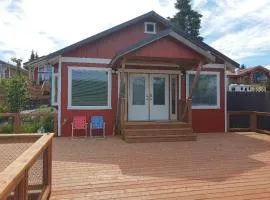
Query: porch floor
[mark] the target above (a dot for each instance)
(217, 166)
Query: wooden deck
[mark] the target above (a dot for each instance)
(216, 166)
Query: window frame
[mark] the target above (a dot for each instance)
(54, 92)
(150, 32)
(70, 107)
(217, 106)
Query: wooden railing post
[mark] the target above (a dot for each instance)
(47, 167)
(189, 105)
(55, 123)
(253, 121)
(21, 191)
(17, 122)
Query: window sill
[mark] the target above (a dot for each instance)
(206, 107)
(89, 107)
(55, 104)
(150, 32)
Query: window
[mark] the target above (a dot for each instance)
(150, 27)
(89, 88)
(55, 85)
(44, 73)
(2, 72)
(207, 93)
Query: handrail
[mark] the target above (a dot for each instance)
(15, 176)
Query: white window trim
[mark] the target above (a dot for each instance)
(53, 89)
(70, 107)
(218, 89)
(150, 23)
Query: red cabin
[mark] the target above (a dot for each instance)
(146, 77)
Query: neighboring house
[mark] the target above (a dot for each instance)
(252, 78)
(8, 70)
(149, 64)
(39, 74)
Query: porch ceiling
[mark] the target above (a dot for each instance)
(159, 63)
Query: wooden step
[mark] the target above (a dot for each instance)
(160, 138)
(156, 125)
(155, 132)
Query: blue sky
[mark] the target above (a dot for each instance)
(239, 29)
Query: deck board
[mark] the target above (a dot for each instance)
(217, 166)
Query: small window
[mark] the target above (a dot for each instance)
(150, 27)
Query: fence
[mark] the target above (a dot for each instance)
(27, 122)
(249, 121)
(248, 101)
(29, 176)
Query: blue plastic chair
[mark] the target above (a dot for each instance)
(97, 122)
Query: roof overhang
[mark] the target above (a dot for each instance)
(44, 60)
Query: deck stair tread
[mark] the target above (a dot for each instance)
(160, 131)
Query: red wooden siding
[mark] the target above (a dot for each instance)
(167, 48)
(211, 120)
(203, 120)
(67, 115)
(107, 47)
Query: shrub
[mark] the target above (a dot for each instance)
(16, 92)
(7, 128)
(30, 127)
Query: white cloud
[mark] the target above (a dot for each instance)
(241, 27)
(268, 67)
(48, 25)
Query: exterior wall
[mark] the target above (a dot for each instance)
(167, 48)
(203, 120)
(67, 115)
(211, 120)
(107, 47)
(103, 48)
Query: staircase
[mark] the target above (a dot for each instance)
(158, 132)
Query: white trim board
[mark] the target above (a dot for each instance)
(214, 66)
(150, 23)
(218, 89)
(149, 71)
(70, 107)
(59, 95)
(86, 60)
(225, 100)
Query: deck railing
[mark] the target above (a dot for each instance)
(248, 121)
(30, 175)
(17, 119)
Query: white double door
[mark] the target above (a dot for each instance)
(148, 97)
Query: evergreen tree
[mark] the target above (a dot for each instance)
(32, 56)
(243, 66)
(36, 55)
(187, 18)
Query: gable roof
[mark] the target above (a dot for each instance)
(162, 34)
(12, 66)
(247, 70)
(154, 16)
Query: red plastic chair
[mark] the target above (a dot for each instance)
(79, 123)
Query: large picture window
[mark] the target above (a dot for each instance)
(89, 88)
(207, 92)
